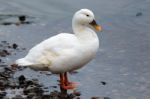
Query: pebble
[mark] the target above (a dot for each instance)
(78, 98)
(139, 14)
(103, 83)
(15, 46)
(18, 97)
(4, 53)
(31, 95)
(21, 80)
(53, 86)
(77, 93)
(106, 98)
(2, 94)
(95, 97)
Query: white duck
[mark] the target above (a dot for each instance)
(66, 52)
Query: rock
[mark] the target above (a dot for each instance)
(71, 96)
(4, 41)
(21, 80)
(14, 66)
(4, 53)
(22, 18)
(3, 82)
(2, 69)
(12, 84)
(15, 46)
(73, 72)
(8, 70)
(54, 95)
(4, 74)
(45, 96)
(18, 97)
(29, 89)
(29, 82)
(2, 93)
(103, 83)
(33, 89)
(139, 14)
(78, 98)
(95, 97)
(77, 93)
(132, 97)
(106, 98)
(31, 95)
(54, 86)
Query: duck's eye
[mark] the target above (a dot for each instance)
(87, 15)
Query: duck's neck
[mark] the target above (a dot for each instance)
(83, 32)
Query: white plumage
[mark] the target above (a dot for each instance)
(66, 52)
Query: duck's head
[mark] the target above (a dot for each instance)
(86, 17)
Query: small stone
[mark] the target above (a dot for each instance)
(106, 98)
(73, 72)
(46, 96)
(14, 66)
(54, 86)
(22, 18)
(14, 45)
(2, 93)
(12, 84)
(23, 48)
(95, 97)
(2, 53)
(45, 88)
(5, 52)
(33, 88)
(18, 97)
(8, 69)
(77, 93)
(9, 46)
(31, 95)
(2, 69)
(54, 94)
(132, 97)
(4, 75)
(4, 41)
(35, 81)
(71, 96)
(78, 98)
(21, 80)
(139, 14)
(103, 83)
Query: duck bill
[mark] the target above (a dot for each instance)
(96, 26)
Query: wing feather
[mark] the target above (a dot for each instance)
(49, 50)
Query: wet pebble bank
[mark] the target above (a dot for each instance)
(22, 87)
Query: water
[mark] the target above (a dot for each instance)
(123, 58)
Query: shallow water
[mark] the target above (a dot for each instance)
(122, 60)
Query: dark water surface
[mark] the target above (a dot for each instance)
(123, 60)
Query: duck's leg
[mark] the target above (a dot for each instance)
(64, 91)
(68, 83)
(66, 79)
(61, 79)
(64, 82)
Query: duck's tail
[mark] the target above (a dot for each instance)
(23, 62)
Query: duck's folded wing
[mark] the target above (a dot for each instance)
(52, 49)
